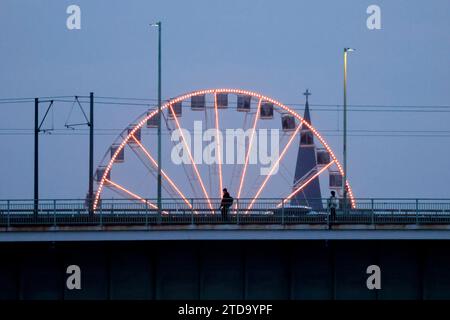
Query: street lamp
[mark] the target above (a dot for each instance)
(344, 185)
(158, 25)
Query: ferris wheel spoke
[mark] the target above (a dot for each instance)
(202, 185)
(250, 145)
(194, 191)
(139, 154)
(305, 184)
(238, 145)
(269, 175)
(218, 146)
(129, 193)
(155, 164)
(206, 114)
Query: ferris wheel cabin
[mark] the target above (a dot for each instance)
(323, 157)
(306, 138)
(243, 103)
(153, 121)
(335, 180)
(222, 100)
(100, 172)
(198, 102)
(176, 110)
(136, 135)
(287, 122)
(120, 156)
(266, 110)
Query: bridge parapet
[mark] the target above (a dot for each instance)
(176, 212)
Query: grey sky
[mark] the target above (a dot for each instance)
(278, 48)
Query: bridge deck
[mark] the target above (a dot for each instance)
(225, 232)
(67, 220)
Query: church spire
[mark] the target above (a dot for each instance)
(306, 115)
(306, 94)
(306, 166)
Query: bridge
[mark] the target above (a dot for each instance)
(128, 219)
(129, 250)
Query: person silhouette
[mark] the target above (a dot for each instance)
(225, 204)
(332, 205)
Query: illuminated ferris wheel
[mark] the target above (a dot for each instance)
(214, 139)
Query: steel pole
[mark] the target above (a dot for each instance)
(159, 116)
(344, 182)
(91, 152)
(36, 155)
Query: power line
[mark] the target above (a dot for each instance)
(302, 104)
(353, 108)
(32, 98)
(323, 130)
(327, 133)
(211, 103)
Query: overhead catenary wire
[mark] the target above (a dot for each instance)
(122, 101)
(134, 101)
(322, 108)
(32, 99)
(302, 104)
(149, 131)
(376, 134)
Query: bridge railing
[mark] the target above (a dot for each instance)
(60, 212)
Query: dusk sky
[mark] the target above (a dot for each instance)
(398, 140)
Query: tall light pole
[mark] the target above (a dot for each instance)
(36, 156)
(158, 25)
(91, 153)
(344, 182)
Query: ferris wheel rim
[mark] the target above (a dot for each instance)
(144, 118)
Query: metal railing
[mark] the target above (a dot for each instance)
(67, 212)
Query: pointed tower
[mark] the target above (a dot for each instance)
(307, 166)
